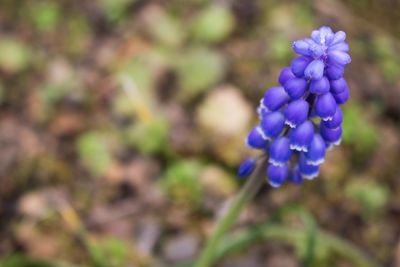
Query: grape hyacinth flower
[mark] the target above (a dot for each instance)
(301, 118)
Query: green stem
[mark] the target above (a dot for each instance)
(248, 191)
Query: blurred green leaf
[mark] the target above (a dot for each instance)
(164, 28)
(213, 24)
(279, 49)
(114, 9)
(371, 195)
(14, 55)
(150, 136)
(358, 130)
(110, 252)
(387, 57)
(20, 260)
(199, 69)
(94, 153)
(46, 15)
(77, 34)
(181, 183)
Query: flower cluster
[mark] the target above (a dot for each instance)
(301, 118)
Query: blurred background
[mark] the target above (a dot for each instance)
(122, 125)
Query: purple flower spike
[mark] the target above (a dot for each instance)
(299, 64)
(331, 136)
(272, 124)
(342, 97)
(307, 171)
(312, 87)
(320, 86)
(277, 175)
(296, 113)
(338, 86)
(275, 98)
(295, 87)
(316, 151)
(257, 139)
(314, 70)
(285, 75)
(279, 151)
(301, 136)
(336, 121)
(247, 167)
(325, 106)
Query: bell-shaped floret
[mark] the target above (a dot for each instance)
(338, 57)
(338, 86)
(320, 86)
(331, 136)
(272, 124)
(257, 139)
(295, 87)
(336, 120)
(279, 151)
(334, 72)
(246, 167)
(314, 70)
(298, 65)
(301, 136)
(296, 112)
(316, 151)
(307, 171)
(275, 98)
(277, 175)
(285, 75)
(342, 97)
(301, 47)
(325, 106)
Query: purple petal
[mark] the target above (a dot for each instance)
(334, 72)
(285, 75)
(301, 136)
(256, 139)
(307, 171)
(275, 98)
(342, 97)
(272, 124)
(246, 167)
(331, 136)
(320, 86)
(316, 151)
(339, 57)
(301, 47)
(338, 86)
(314, 70)
(277, 175)
(336, 121)
(296, 112)
(325, 106)
(339, 37)
(279, 151)
(299, 64)
(295, 87)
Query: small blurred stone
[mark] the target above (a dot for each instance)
(224, 118)
(38, 204)
(181, 248)
(217, 181)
